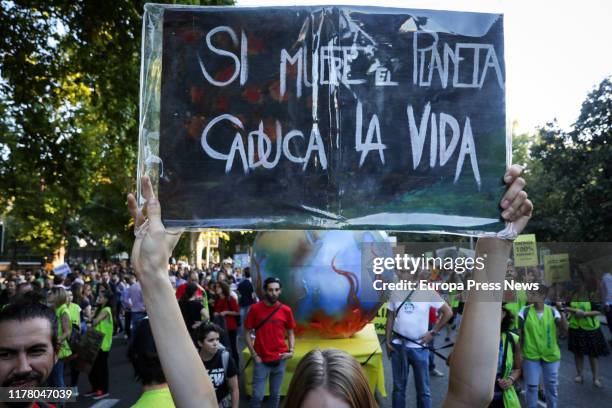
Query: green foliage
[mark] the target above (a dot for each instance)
(69, 90)
(69, 85)
(520, 148)
(570, 175)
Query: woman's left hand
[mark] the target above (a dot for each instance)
(517, 208)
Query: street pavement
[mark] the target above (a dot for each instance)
(125, 389)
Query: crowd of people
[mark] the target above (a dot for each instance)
(203, 312)
(108, 299)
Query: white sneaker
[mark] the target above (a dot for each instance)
(436, 373)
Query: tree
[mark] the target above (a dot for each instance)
(69, 119)
(521, 144)
(570, 180)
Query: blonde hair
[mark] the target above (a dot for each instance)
(336, 371)
(60, 296)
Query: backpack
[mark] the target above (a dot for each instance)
(225, 359)
(227, 401)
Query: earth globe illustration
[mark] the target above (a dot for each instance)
(327, 277)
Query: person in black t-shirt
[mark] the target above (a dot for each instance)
(194, 313)
(220, 365)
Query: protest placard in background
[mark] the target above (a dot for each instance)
(556, 268)
(242, 260)
(380, 320)
(525, 250)
(325, 117)
(542, 252)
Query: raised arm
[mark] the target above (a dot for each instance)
(473, 364)
(185, 373)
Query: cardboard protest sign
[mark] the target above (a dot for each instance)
(325, 117)
(242, 260)
(88, 349)
(556, 268)
(525, 250)
(380, 320)
(542, 253)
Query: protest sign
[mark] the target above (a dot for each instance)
(556, 268)
(448, 252)
(525, 250)
(242, 260)
(380, 320)
(88, 349)
(324, 117)
(542, 253)
(61, 270)
(466, 253)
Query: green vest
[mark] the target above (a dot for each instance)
(521, 298)
(584, 323)
(106, 327)
(205, 299)
(515, 307)
(511, 399)
(75, 314)
(453, 299)
(65, 347)
(540, 336)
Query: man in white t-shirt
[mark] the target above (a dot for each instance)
(408, 336)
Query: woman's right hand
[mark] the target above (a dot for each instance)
(153, 245)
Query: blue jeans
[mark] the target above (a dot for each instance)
(401, 360)
(56, 378)
(260, 373)
(531, 375)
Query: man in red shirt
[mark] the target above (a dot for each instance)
(268, 320)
